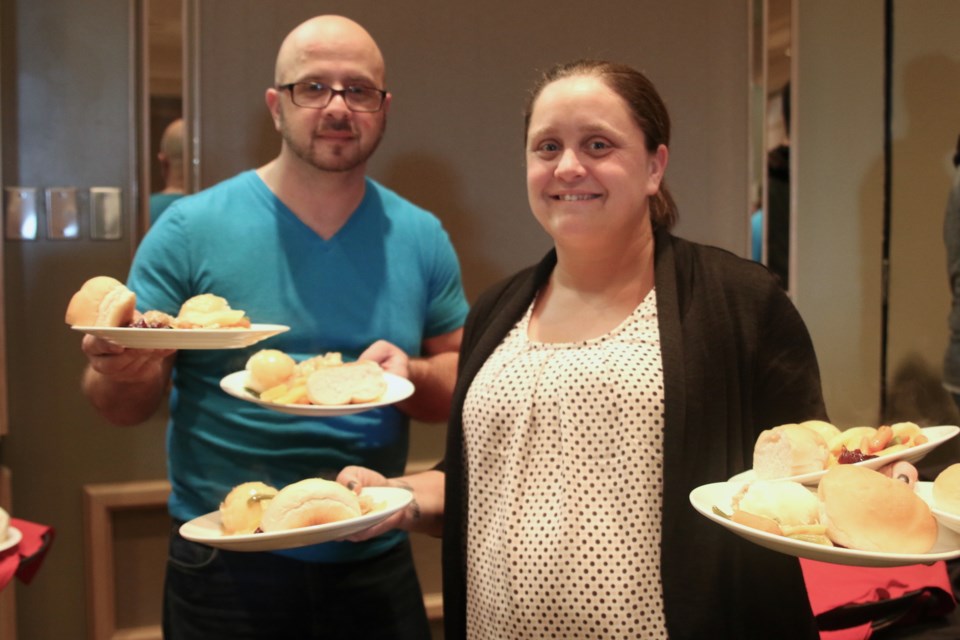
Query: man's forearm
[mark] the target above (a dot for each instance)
(433, 378)
(123, 404)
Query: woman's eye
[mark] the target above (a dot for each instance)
(598, 145)
(548, 147)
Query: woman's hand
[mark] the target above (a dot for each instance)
(423, 514)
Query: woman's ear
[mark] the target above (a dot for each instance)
(656, 168)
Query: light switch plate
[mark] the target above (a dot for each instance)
(20, 213)
(106, 213)
(63, 214)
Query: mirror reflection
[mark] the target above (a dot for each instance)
(165, 157)
(770, 171)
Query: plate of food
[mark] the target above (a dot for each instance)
(199, 338)
(777, 457)
(13, 539)
(320, 386)
(275, 523)
(106, 308)
(922, 541)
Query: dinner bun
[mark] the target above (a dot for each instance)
(789, 450)
(242, 509)
(101, 301)
(267, 368)
(310, 502)
(4, 524)
(790, 504)
(826, 430)
(209, 312)
(946, 490)
(350, 383)
(863, 509)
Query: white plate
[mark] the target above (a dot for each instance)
(136, 338)
(13, 538)
(947, 519)
(397, 389)
(206, 529)
(720, 494)
(935, 437)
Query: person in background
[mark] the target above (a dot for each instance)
(306, 240)
(777, 234)
(170, 157)
(598, 388)
(951, 239)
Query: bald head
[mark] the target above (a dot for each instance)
(171, 143)
(329, 39)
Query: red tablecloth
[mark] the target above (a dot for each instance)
(831, 585)
(24, 559)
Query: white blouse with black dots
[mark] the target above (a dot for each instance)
(563, 444)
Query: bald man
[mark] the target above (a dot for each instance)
(309, 241)
(170, 157)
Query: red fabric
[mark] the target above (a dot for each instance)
(832, 585)
(24, 559)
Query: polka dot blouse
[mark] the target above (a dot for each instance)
(563, 444)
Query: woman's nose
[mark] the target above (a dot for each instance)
(569, 167)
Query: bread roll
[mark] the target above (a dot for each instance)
(208, 311)
(790, 504)
(946, 490)
(4, 524)
(242, 509)
(310, 502)
(101, 301)
(267, 368)
(826, 430)
(863, 509)
(351, 383)
(789, 450)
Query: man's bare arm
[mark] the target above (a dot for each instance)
(126, 386)
(433, 375)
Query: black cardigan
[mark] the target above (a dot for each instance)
(737, 359)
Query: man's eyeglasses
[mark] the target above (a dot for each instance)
(315, 95)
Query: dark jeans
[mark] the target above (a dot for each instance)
(212, 593)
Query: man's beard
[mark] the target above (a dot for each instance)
(336, 156)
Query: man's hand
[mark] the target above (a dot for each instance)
(390, 357)
(121, 365)
(125, 385)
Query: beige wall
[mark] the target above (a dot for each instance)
(838, 144)
(839, 149)
(926, 123)
(459, 77)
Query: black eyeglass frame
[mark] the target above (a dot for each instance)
(343, 93)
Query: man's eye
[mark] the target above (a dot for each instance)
(548, 147)
(356, 90)
(598, 145)
(314, 87)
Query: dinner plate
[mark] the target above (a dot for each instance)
(397, 389)
(720, 494)
(138, 338)
(206, 529)
(935, 437)
(13, 539)
(945, 518)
